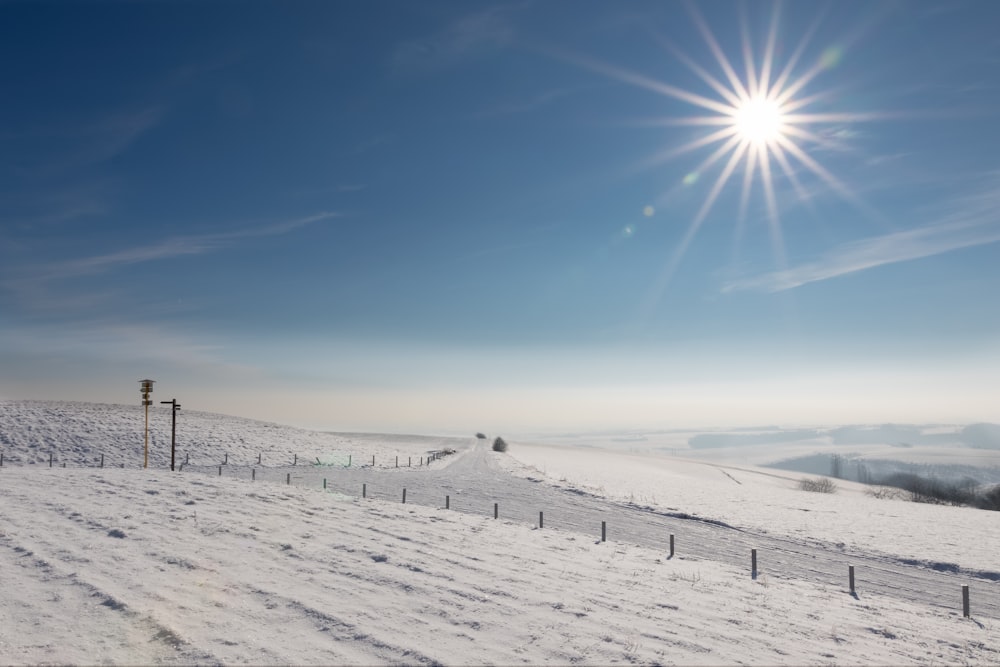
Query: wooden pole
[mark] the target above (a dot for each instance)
(1, 459)
(541, 520)
(447, 502)
(671, 545)
(253, 474)
(102, 460)
(965, 601)
(604, 531)
(496, 510)
(288, 478)
(220, 471)
(404, 496)
(373, 460)
(259, 454)
(850, 577)
(409, 462)
(295, 459)
(753, 563)
(50, 459)
(324, 482)
(226, 460)
(364, 490)
(397, 460)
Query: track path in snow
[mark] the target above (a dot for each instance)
(474, 480)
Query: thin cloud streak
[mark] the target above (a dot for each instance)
(974, 223)
(173, 247)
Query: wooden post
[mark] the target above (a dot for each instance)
(421, 460)
(50, 459)
(288, 478)
(102, 460)
(1, 459)
(253, 474)
(671, 545)
(187, 458)
(541, 520)
(604, 531)
(965, 601)
(409, 462)
(404, 496)
(348, 460)
(364, 490)
(220, 471)
(447, 502)
(850, 577)
(259, 454)
(324, 482)
(753, 563)
(64, 464)
(496, 510)
(295, 459)
(373, 460)
(397, 460)
(226, 460)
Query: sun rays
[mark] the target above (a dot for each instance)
(761, 128)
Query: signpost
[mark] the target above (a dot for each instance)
(146, 388)
(173, 428)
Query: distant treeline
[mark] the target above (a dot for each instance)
(979, 436)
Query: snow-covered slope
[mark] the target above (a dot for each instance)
(79, 433)
(281, 565)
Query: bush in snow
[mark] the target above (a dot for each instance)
(821, 485)
(499, 445)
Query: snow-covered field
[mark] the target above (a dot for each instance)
(134, 566)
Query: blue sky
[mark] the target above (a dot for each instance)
(443, 216)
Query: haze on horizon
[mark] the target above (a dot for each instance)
(444, 217)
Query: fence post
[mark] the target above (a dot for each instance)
(187, 458)
(259, 454)
(295, 459)
(364, 490)
(421, 460)
(604, 531)
(1, 459)
(373, 460)
(850, 577)
(541, 521)
(64, 464)
(226, 460)
(102, 460)
(50, 459)
(397, 460)
(253, 474)
(447, 502)
(671, 545)
(404, 496)
(409, 462)
(965, 601)
(220, 471)
(348, 460)
(324, 482)
(496, 510)
(288, 478)
(753, 563)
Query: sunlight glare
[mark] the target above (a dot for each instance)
(759, 121)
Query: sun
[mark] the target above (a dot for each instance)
(759, 126)
(760, 122)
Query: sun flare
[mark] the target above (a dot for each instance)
(758, 127)
(759, 121)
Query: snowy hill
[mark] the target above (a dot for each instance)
(278, 564)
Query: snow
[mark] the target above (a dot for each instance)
(127, 566)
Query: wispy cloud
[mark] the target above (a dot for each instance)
(974, 221)
(178, 246)
(469, 36)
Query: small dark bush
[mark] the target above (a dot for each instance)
(821, 485)
(481, 436)
(499, 445)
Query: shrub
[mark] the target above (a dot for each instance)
(481, 436)
(499, 445)
(821, 485)
(884, 492)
